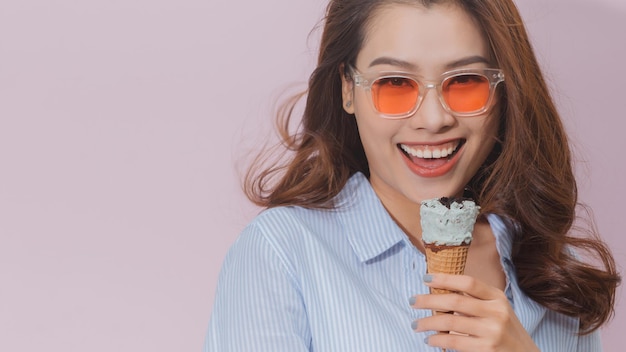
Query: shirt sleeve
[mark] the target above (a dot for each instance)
(590, 342)
(258, 304)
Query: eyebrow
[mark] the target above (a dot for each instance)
(467, 61)
(385, 60)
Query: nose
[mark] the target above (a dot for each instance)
(431, 115)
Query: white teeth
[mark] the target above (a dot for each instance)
(430, 152)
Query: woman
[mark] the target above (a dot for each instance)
(414, 100)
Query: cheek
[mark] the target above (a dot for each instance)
(375, 130)
(493, 126)
(365, 122)
(489, 135)
(368, 135)
(488, 127)
(376, 136)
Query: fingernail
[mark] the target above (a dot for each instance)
(414, 325)
(427, 278)
(412, 300)
(426, 340)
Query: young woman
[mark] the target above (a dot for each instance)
(414, 100)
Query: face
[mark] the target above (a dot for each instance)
(431, 153)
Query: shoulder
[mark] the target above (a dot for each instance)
(289, 234)
(285, 217)
(302, 237)
(289, 223)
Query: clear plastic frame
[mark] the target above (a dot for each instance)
(464, 92)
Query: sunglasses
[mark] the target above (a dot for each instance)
(464, 92)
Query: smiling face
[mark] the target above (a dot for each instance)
(431, 153)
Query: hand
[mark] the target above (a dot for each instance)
(485, 321)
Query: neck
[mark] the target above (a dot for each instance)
(404, 212)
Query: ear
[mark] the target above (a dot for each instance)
(347, 90)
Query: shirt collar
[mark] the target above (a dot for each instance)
(369, 227)
(503, 231)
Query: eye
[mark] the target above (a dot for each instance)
(395, 82)
(467, 79)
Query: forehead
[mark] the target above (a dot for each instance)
(428, 38)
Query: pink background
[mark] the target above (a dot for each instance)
(123, 127)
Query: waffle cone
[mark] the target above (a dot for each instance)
(445, 259)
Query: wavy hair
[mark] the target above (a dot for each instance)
(528, 177)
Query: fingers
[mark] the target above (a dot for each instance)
(463, 283)
(457, 342)
(481, 309)
(450, 322)
(486, 338)
(460, 303)
(484, 319)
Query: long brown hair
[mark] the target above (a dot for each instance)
(528, 178)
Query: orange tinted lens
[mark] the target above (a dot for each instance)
(394, 95)
(466, 93)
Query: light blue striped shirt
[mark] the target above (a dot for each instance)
(339, 280)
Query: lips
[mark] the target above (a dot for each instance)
(432, 160)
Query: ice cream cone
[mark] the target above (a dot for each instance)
(447, 227)
(445, 259)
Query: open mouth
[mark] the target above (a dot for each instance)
(426, 153)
